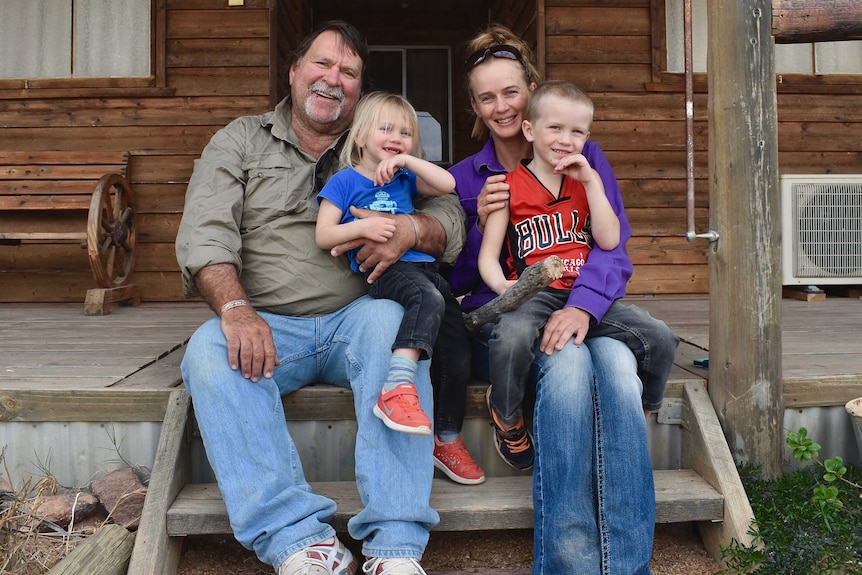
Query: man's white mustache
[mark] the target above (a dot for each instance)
(327, 90)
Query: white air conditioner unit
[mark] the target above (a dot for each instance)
(821, 218)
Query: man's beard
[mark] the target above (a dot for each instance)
(324, 88)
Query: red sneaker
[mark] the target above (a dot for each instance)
(400, 410)
(454, 460)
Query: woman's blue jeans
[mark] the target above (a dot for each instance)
(593, 492)
(270, 504)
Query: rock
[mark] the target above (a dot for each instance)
(89, 525)
(58, 509)
(122, 495)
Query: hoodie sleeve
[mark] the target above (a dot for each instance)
(603, 278)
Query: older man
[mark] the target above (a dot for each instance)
(291, 314)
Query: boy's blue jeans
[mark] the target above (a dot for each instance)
(270, 504)
(514, 334)
(650, 339)
(593, 492)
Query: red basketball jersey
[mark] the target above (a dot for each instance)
(541, 225)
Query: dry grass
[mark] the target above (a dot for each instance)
(29, 545)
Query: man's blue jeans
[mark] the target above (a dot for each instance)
(270, 504)
(593, 492)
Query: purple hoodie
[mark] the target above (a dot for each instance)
(603, 278)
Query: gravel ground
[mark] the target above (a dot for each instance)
(678, 550)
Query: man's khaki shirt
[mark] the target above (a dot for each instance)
(252, 202)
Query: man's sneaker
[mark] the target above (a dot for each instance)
(328, 557)
(513, 442)
(400, 410)
(454, 460)
(382, 566)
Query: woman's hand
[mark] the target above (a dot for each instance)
(494, 195)
(563, 325)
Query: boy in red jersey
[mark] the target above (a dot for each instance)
(557, 206)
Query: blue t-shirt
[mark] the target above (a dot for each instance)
(350, 188)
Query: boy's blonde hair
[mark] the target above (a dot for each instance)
(560, 88)
(366, 118)
(494, 35)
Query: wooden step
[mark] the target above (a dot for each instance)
(499, 503)
(710, 493)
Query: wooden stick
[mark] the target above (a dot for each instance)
(534, 278)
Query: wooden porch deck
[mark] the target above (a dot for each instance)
(60, 366)
(133, 356)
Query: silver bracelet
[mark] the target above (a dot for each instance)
(232, 304)
(415, 229)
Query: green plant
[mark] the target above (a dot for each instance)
(807, 522)
(825, 496)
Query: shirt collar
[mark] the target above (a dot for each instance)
(485, 160)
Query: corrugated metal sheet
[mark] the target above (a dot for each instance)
(76, 453)
(831, 427)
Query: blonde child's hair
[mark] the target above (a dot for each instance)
(491, 36)
(560, 88)
(370, 109)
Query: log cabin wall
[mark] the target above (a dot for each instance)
(606, 48)
(217, 67)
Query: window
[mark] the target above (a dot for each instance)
(75, 38)
(421, 75)
(813, 59)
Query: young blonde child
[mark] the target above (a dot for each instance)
(383, 175)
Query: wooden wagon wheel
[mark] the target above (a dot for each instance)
(111, 232)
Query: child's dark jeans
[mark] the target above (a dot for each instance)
(434, 324)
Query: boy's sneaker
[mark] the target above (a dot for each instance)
(328, 557)
(400, 410)
(513, 442)
(383, 566)
(454, 460)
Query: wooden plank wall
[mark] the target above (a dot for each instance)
(607, 50)
(218, 67)
(612, 49)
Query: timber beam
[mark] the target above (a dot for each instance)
(798, 21)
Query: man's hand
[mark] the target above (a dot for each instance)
(378, 256)
(494, 195)
(562, 325)
(250, 345)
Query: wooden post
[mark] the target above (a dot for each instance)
(744, 264)
(156, 553)
(809, 21)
